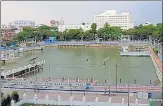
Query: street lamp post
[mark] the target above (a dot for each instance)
(104, 64)
(128, 93)
(84, 92)
(116, 66)
(71, 89)
(105, 85)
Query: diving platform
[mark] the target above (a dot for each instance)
(135, 54)
(23, 71)
(135, 51)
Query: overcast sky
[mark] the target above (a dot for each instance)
(76, 12)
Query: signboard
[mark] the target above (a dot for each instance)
(131, 94)
(143, 95)
(140, 94)
(149, 95)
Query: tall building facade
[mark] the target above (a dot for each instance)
(23, 23)
(114, 19)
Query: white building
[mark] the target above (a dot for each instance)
(113, 19)
(39, 25)
(147, 23)
(85, 27)
(23, 23)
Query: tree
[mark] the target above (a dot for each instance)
(93, 29)
(65, 34)
(15, 96)
(8, 100)
(87, 35)
(44, 27)
(3, 101)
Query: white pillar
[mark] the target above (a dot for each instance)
(24, 96)
(47, 99)
(88, 80)
(78, 79)
(154, 43)
(136, 102)
(123, 101)
(12, 103)
(71, 101)
(83, 101)
(96, 101)
(35, 98)
(59, 99)
(109, 101)
(68, 80)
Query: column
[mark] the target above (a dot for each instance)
(68, 80)
(83, 101)
(96, 101)
(78, 79)
(71, 101)
(35, 97)
(109, 101)
(59, 99)
(47, 99)
(136, 102)
(12, 103)
(24, 96)
(123, 102)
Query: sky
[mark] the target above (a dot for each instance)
(76, 12)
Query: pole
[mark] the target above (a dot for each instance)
(116, 76)
(71, 89)
(84, 92)
(128, 93)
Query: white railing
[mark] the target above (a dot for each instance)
(158, 71)
(135, 53)
(70, 102)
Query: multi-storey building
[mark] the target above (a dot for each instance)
(7, 32)
(83, 26)
(114, 19)
(23, 23)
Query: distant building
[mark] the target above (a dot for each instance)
(7, 32)
(56, 23)
(85, 27)
(39, 25)
(23, 23)
(113, 19)
(147, 23)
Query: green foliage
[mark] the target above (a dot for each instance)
(40, 33)
(15, 96)
(5, 101)
(93, 28)
(143, 32)
(106, 32)
(155, 50)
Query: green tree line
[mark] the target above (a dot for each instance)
(144, 32)
(106, 33)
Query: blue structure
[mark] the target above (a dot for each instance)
(51, 40)
(149, 95)
(86, 86)
(13, 44)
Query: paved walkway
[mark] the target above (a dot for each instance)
(156, 58)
